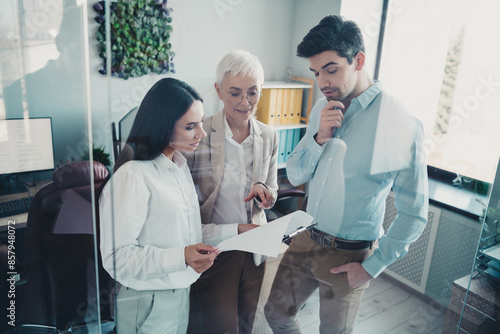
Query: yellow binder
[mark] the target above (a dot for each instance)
(267, 106)
(297, 106)
(286, 111)
(279, 107)
(292, 114)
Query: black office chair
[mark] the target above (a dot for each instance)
(288, 201)
(59, 258)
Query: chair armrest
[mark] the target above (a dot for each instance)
(291, 192)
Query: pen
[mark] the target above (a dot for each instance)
(300, 229)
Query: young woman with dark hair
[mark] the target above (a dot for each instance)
(150, 224)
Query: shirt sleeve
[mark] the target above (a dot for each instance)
(272, 175)
(123, 211)
(412, 203)
(214, 234)
(302, 162)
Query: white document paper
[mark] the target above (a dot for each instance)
(266, 239)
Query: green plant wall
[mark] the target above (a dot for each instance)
(140, 33)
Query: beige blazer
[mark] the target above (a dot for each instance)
(207, 165)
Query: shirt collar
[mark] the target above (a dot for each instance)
(163, 163)
(229, 134)
(369, 94)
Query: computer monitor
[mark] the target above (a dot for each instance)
(26, 145)
(125, 125)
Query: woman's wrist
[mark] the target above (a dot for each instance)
(263, 184)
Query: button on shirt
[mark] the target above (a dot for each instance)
(379, 146)
(149, 212)
(229, 207)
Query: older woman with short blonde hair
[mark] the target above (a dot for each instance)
(235, 173)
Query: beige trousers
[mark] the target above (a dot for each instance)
(304, 268)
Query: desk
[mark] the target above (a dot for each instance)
(20, 219)
(482, 309)
(463, 201)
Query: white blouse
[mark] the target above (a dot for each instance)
(149, 212)
(229, 207)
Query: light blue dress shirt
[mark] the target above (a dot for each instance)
(379, 147)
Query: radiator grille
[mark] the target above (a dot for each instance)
(413, 268)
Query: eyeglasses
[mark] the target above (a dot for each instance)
(253, 96)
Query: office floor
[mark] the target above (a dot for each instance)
(388, 307)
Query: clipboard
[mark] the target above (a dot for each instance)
(298, 224)
(267, 239)
(288, 237)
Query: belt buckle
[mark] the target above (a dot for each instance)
(317, 237)
(326, 240)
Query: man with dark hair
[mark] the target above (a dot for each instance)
(360, 143)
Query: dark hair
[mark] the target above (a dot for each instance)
(165, 103)
(333, 33)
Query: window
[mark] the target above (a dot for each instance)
(28, 36)
(439, 58)
(369, 21)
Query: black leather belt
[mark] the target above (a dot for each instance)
(328, 240)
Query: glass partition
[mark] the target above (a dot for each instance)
(48, 179)
(453, 94)
(56, 111)
(478, 294)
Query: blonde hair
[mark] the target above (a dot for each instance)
(242, 62)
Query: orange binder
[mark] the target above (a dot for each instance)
(286, 111)
(279, 107)
(292, 113)
(267, 106)
(297, 106)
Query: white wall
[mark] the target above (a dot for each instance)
(306, 15)
(368, 20)
(203, 31)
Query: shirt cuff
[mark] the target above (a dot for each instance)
(315, 148)
(228, 230)
(175, 260)
(258, 182)
(373, 266)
